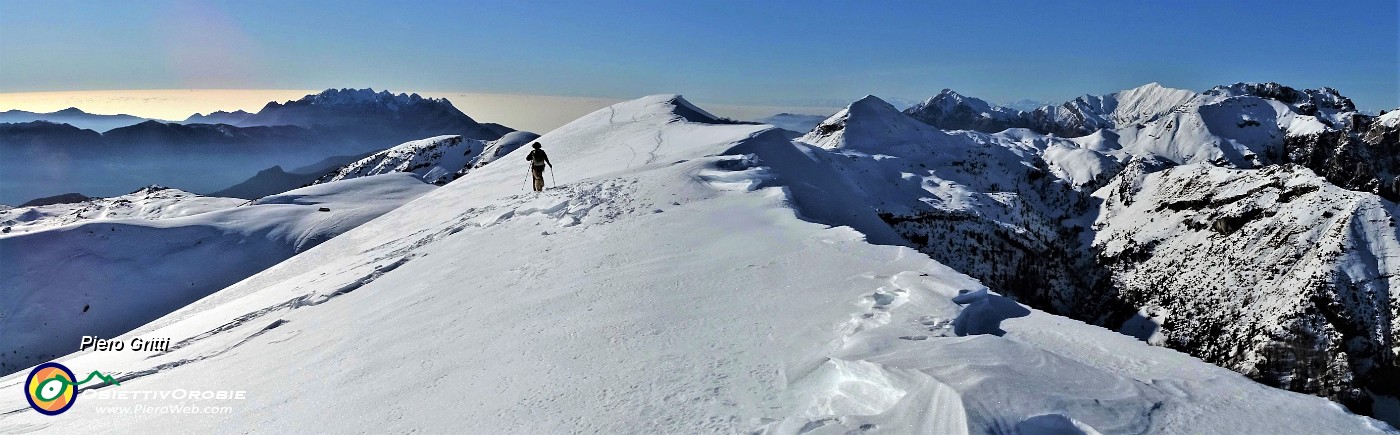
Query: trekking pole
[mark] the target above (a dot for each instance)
(551, 176)
(526, 184)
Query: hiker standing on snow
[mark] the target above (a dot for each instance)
(538, 160)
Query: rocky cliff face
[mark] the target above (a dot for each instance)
(1275, 273)
(1360, 154)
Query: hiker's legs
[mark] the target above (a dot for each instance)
(539, 178)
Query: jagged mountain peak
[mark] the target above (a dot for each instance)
(350, 96)
(149, 189)
(224, 112)
(1309, 101)
(950, 110)
(948, 99)
(369, 115)
(219, 117)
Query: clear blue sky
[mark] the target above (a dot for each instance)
(751, 52)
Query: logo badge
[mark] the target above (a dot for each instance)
(51, 388)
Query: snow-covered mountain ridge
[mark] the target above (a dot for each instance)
(1089, 113)
(1014, 209)
(1244, 125)
(436, 160)
(686, 276)
(1005, 209)
(151, 202)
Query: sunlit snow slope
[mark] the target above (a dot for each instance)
(151, 202)
(676, 281)
(104, 277)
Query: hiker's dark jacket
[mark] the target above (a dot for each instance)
(537, 157)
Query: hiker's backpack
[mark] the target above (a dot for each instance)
(536, 158)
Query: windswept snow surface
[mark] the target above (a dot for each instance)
(674, 282)
(152, 202)
(105, 277)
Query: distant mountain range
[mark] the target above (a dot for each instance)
(74, 117)
(219, 117)
(342, 117)
(1084, 115)
(211, 152)
(363, 112)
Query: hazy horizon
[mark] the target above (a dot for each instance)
(535, 113)
(526, 112)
